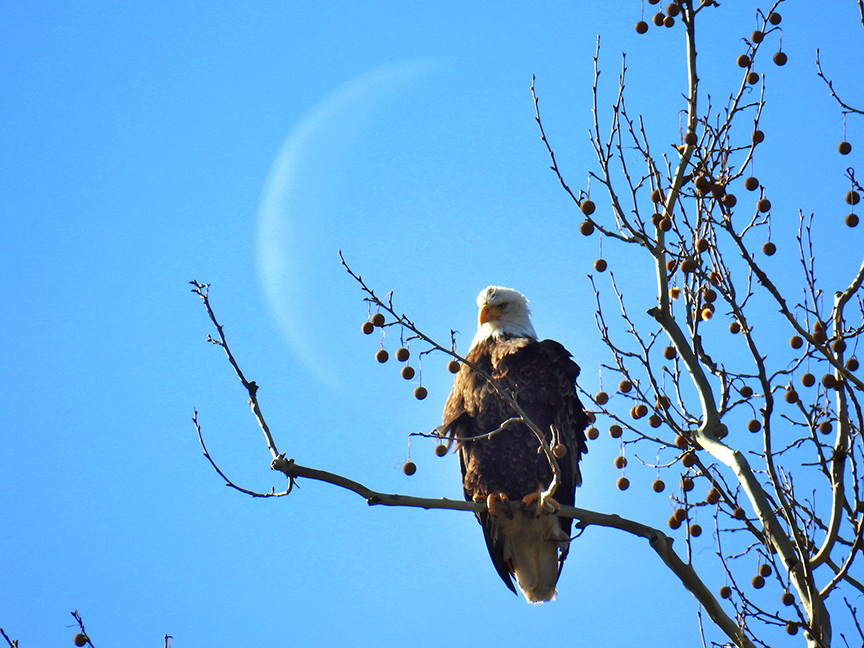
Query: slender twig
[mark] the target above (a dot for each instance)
(228, 482)
(13, 643)
(202, 290)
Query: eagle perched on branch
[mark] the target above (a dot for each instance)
(501, 457)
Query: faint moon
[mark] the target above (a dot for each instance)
(298, 221)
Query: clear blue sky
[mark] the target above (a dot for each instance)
(145, 144)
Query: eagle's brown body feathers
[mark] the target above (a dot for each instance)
(541, 375)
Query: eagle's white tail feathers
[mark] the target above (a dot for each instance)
(531, 546)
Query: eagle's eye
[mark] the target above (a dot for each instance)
(502, 307)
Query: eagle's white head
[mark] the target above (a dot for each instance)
(503, 311)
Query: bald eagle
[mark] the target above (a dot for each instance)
(508, 464)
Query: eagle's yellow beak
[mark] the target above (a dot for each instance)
(486, 314)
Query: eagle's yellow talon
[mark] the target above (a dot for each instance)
(531, 498)
(496, 501)
(551, 505)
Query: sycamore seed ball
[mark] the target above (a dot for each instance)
(668, 21)
(655, 421)
(852, 198)
(765, 570)
(377, 319)
(587, 207)
(757, 582)
(753, 425)
(774, 18)
(658, 486)
(791, 396)
(752, 78)
(367, 327)
(702, 183)
(381, 355)
(808, 380)
(586, 228)
(615, 431)
(679, 514)
(601, 398)
(825, 427)
(844, 148)
(672, 9)
(641, 27)
(787, 598)
(402, 354)
(780, 58)
(420, 393)
(625, 386)
(440, 450)
(658, 18)
(681, 443)
(769, 249)
(796, 342)
(409, 468)
(734, 327)
(763, 205)
(673, 523)
(623, 483)
(620, 462)
(691, 138)
(757, 36)
(80, 639)
(592, 433)
(600, 265)
(453, 366)
(851, 220)
(751, 184)
(407, 372)
(743, 61)
(746, 391)
(791, 628)
(852, 364)
(695, 530)
(725, 592)
(739, 513)
(560, 451)
(687, 484)
(713, 496)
